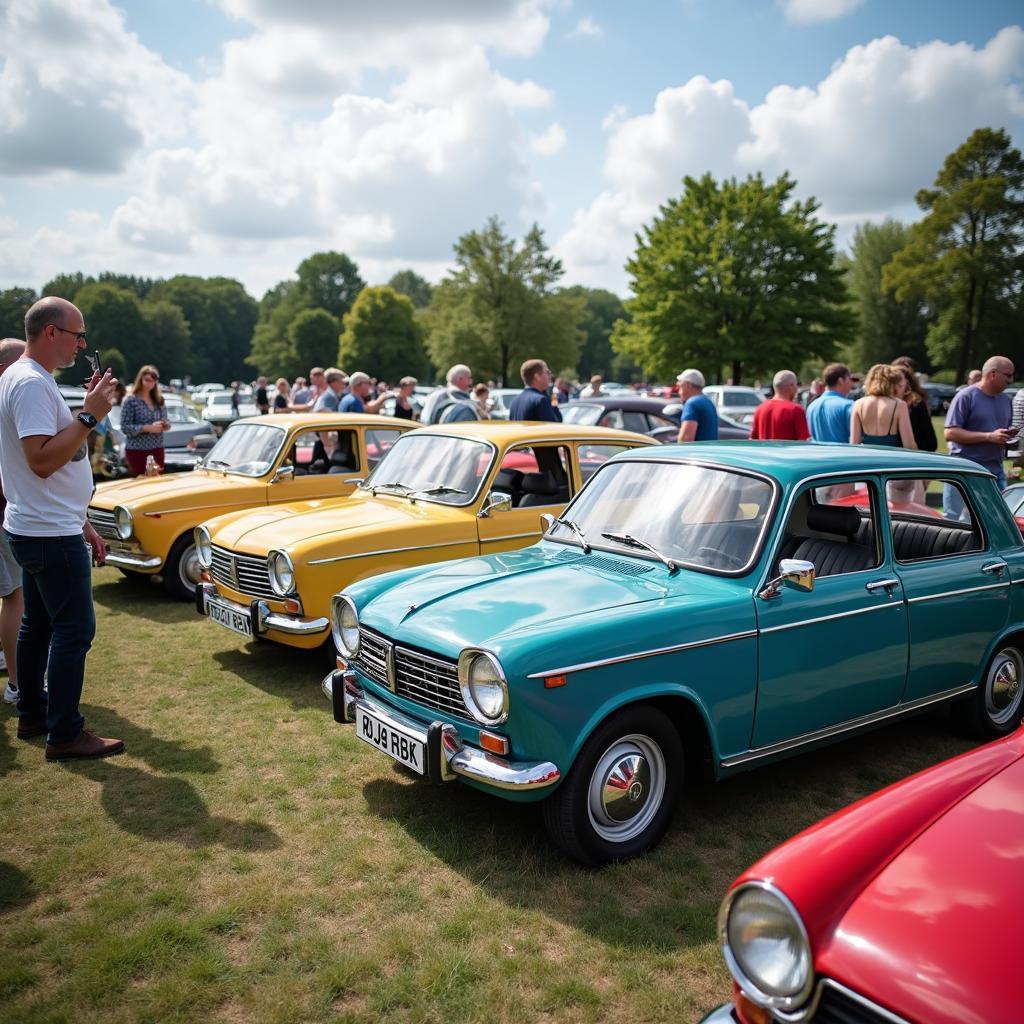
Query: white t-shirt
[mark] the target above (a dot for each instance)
(31, 405)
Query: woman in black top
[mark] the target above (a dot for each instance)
(920, 415)
(281, 396)
(404, 409)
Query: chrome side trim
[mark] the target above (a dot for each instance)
(829, 618)
(133, 561)
(584, 665)
(510, 536)
(956, 593)
(836, 730)
(395, 551)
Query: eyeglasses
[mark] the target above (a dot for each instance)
(79, 335)
(151, 376)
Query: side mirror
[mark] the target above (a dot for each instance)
(497, 501)
(547, 520)
(283, 473)
(794, 574)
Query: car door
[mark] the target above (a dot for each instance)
(332, 476)
(838, 653)
(957, 588)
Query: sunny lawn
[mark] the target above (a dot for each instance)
(249, 860)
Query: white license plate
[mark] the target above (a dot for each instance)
(394, 742)
(226, 616)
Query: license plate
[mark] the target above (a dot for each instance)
(227, 616)
(395, 743)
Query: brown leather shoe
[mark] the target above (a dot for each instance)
(85, 744)
(30, 726)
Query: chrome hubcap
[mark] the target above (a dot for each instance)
(627, 788)
(189, 569)
(1004, 690)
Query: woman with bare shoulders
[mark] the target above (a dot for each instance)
(881, 417)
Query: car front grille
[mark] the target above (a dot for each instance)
(424, 679)
(839, 1005)
(103, 522)
(245, 574)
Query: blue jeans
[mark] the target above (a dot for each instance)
(953, 506)
(57, 628)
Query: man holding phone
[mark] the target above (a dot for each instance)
(48, 483)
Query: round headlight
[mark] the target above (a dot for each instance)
(282, 573)
(123, 522)
(483, 687)
(345, 625)
(204, 546)
(766, 946)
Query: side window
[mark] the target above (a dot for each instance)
(333, 451)
(301, 453)
(594, 456)
(655, 422)
(835, 527)
(635, 421)
(612, 418)
(535, 475)
(921, 532)
(378, 444)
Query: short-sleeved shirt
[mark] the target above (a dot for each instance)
(32, 406)
(779, 420)
(327, 402)
(351, 403)
(828, 417)
(531, 404)
(972, 409)
(701, 410)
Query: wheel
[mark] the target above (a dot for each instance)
(617, 800)
(996, 707)
(181, 571)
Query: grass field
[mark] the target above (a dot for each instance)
(248, 859)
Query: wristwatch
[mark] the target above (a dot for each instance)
(87, 419)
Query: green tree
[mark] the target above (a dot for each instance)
(329, 280)
(382, 336)
(602, 310)
(139, 286)
(113, 318)
(735, 274)
(118, 365)
(312, 340)
(888, 327)
(408, 282)
(497, 307)
(67, 286)
(965, 258)
(169, 338)
(272, 352)
(14, 304)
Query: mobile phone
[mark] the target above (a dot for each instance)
(94, 362)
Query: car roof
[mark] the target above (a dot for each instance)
(514, 431)
(636, 403)
(327, 421)
(791, 461)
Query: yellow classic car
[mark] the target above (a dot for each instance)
(441, 492)
(148, 522)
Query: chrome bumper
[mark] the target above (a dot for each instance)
(447, 755)
(143, 561)
(261, 616)
(723, 1015)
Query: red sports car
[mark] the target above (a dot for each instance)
(904, 908)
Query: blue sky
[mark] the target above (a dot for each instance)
(237, 136)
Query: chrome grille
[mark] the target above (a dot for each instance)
(840, 1005)
(246, 574)
(103, 522)
(373, 656)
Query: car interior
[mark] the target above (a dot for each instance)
(549, 485)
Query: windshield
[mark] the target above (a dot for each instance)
(246, 449)
(742, 399)
(448, 470)
(704, 518)
(179, 414)
(580, 412)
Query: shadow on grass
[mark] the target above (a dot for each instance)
(140, 597)
(281, 671)
(16, 888)
(8, 753)
(667, 899)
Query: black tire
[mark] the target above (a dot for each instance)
(181, 570)
(996, 707)
(642, 749)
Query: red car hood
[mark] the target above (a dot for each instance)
(935, 936)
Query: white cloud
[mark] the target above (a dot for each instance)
(550, 141)
(863, 141)
(806, 12)
(587, 27)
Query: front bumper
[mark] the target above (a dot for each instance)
(261, 617)
(447, 756)
(139, 562)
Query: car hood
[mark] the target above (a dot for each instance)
(191, 489)
(934, 935)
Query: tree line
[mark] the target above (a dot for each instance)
(734, 276)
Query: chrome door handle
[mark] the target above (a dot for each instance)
(994, 568)
(889, 584)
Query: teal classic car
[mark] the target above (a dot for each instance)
(696, 609)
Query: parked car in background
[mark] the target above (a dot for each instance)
(200, 392)
(737, 402)
(939, 396)
(73, 395)
(219, 412)
(501, 401)
(441, 492)
(904, 907)
(715, 606)
(185, 425)
(644, 415)
(148, 522)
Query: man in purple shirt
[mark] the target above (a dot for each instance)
(534, 402)
(978, 427)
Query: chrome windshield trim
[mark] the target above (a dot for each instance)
(957, 593)
(188, 508)
(835, 730)
(829, 618)
(394, 551)
(583, 666)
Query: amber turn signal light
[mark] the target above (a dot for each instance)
(550, 682)
(494, 743)
(748, 1011)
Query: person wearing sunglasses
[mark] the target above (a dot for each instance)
(143, 422)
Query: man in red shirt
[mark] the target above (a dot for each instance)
(781, 418)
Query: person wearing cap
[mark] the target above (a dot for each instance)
(358, 397)
(781, 418)
(331, 398)
(700, 418)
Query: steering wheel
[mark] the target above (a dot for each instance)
(715, 555)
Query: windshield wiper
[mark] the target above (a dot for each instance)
(635, 542)
(575, 527)
(217, 462)
(439, 489)
(394, 485)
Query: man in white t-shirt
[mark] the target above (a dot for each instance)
(48, 483)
